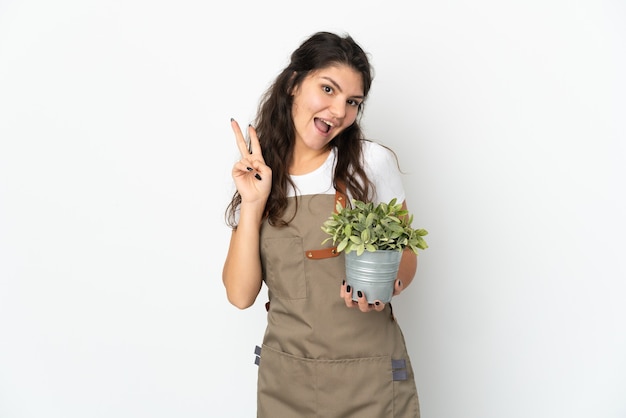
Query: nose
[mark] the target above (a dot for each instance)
(338, 108)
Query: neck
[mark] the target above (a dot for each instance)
(307, 162)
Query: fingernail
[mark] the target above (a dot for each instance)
(348, 289)
(343, 282)
(360, 294)
(399, 282)
(257, 176)
(232, 119)
(377, 303)
(249, 168)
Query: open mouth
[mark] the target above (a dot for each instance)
(323, 125)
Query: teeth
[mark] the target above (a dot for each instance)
(327, 122)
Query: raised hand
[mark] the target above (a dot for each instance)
(252, 177)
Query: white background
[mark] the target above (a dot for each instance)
(115, 158)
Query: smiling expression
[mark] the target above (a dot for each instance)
(324, 104)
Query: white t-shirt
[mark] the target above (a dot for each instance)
(381, 168)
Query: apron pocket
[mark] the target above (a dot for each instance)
(285, 386)
(290, 386)
(284, 267)
(355, 387)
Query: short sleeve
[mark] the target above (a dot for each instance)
(382, 169)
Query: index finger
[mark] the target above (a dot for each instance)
(241, 142)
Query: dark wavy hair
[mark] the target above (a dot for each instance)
(276, 130)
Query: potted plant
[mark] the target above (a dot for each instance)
(373, 237)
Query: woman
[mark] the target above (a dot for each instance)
(323, 354)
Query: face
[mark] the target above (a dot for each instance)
(326, 102)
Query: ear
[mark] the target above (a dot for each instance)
(292, 88)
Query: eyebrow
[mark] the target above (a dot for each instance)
(331, 81)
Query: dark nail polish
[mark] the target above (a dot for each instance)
(348, 288)
(400, 283)
(343, 282)
(232, 119)
(249, 168)
(257, 176)
(377, 303)
(359, 294)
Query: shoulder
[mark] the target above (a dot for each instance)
(381, 165)
(376, 155)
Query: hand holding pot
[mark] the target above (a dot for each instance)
(346, 292)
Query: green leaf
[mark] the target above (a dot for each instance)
(342, 245)
(356, 240)
(365, 235)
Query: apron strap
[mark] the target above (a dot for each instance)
(340, 196)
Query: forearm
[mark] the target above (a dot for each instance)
(242, 273)
(408, 268)
(408, 264)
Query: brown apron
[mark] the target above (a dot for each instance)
(320, 358)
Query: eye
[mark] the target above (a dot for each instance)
(327, 89)
(354, 103)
